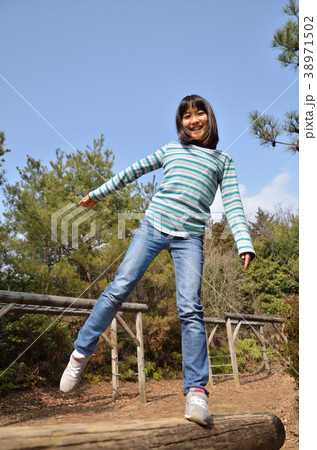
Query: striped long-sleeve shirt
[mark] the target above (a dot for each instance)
(181, 206)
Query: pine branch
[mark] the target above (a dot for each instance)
(267, 129)
(286, 39)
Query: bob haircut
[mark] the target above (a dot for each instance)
(195, 101)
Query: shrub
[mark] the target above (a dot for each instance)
(292, 332)
(44, 341)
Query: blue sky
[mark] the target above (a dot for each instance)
(121, 68)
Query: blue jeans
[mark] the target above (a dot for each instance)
(187, 256)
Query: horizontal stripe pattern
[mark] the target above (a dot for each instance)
(126, 176)
(181, 206)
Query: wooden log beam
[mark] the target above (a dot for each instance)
(47, 310)
(215, 321)
(26, 298)
(127, 329)
(6, 308)
(248, 317)
(211, 336)
(281, 333)
(262, 431)
(107, 340)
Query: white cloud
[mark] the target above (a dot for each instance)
(270, 196)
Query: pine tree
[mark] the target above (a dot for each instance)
(268, 129)
(286, 39)
(3, 150)
(43, 258)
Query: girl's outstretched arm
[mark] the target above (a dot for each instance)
(86, 202)
(234, 210)
(139, 168)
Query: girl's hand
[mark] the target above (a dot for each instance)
(86, 202)
(247, 259)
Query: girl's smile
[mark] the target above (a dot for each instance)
(195, 121)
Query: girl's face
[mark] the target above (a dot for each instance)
(195, 121)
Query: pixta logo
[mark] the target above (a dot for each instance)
(123, 218)
(66, 220)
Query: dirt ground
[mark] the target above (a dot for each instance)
(93, 402)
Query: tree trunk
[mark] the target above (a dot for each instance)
(262, 431)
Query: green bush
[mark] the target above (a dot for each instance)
(41, 345)
(151, 370)
(19, 376)
(248, 353)
(292, 332)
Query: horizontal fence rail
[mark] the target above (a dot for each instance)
(44, 300)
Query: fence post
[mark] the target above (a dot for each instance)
(210, 380)
(114, 359)
(264, 352)
(140, 353)
(232, 353)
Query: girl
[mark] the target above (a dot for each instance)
(175, 220)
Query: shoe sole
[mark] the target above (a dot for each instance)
(193, 419)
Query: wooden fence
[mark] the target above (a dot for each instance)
(55, 305)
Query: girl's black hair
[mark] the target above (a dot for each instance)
(211, 138)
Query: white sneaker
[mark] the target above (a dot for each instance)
(196, 408)
(72, 374)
